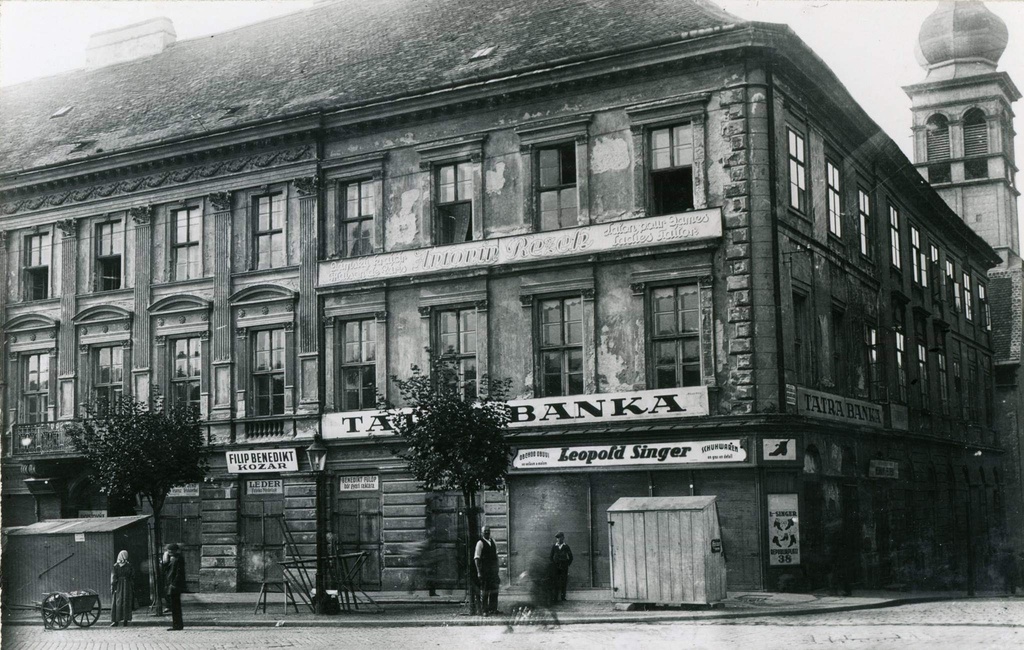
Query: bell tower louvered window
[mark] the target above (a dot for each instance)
(975, 144)
(937, 133)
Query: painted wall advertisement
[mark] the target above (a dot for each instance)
(263, 460)
(663, 453)
(783, 530)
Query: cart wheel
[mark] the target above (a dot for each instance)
(56, 612)
(88, 617)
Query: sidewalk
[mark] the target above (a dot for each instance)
(399, 609)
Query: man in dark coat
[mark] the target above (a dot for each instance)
(486, 559)
(561, 558)
(174, 578)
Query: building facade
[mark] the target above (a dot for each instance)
(705, 270)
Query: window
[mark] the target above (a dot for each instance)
(937, 145)
(36, 389)
(456, 339)
(557, 186)
(672, 169)
(108, 256)
(900, 340)
(968, 298)
(109, 374)
(187, 229)
(834, 198)
(952, 288)
(917, 258)
(983, 308)
(972, 411)
(838, 352)
(561, 346)
(935, 271)
(990, 404)
(185, 373)
(796, 151)
(975, 133)
(268, 372)
(958, 386)
(921, 346)
(454, 203)
(895, 257)
(357, 215)
(864, 222)
(270, 241)
(37, 267)
(358, 356)
(943, 381)
(801, 343)
(675, 338)
(872, 361)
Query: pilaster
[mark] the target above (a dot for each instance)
(142, 218)
(218, 205)
(308, 375)
(67, 352)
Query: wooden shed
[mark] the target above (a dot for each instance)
(73, 554)
(666, 550)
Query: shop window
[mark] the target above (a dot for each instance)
(796, 152)
(672, 169)
(186, 371)
(186, 259)
(864, 223)
(454, 205)
(834, 198)
(358, 366)
(35, 393)
(108, 378)
(37, 267)
(358, 211)
(269, 242)
(675, 336)
(456, 339)
(268, 371)
(561, 346)
(556, 186)
(109, 249)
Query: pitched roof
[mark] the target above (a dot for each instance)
(338, 54)
(85, 525)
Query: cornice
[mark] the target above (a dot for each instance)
(85, 188)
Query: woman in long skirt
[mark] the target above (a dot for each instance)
(122, 591)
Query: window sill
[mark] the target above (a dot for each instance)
(40, 301)
(184, 283)
(108, 292)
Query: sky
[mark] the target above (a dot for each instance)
(868, 43)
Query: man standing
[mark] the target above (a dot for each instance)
(561, 558)
(174, 577)
(486, 559)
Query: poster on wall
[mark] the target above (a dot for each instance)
(783, 530)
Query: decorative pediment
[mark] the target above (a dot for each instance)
(180, 314)
(263, 304)
(103, 324)
(261, 293)
(178, 303)
(30, 332)
(101, 313)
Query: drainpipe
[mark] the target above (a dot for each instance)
(780, 353)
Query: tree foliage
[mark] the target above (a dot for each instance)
(133, 449)
(451, 442)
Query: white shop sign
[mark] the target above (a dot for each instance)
(586, 240)
(773, 449)
(837, 408)
(187, 490)
(360, 483)
(547, 411)
(266, 486)
(661, 453)
(263, 460)
(783, 530)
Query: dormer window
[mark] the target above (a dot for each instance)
(482, 53)
(61, 112)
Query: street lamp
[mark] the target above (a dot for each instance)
(316, 453)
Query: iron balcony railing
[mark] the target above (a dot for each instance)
(40, 438)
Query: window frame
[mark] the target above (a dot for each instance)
(678, 338)
(899, 330)
(31, 272)
(174, 381)
(273, 198)
(921, 348)
(656, 201)
(895, 243)
(968, 298)
(566, 150)
(365, 324)
(984, 310)
(103, 259)
(834, 198)
(344, 219)
(439, 205)
(796, 161)
(468, 389)
(803, 339)
(102, 392)
(873, 361)
(864, 215)
(919, 262)
(562, 349)
(177, 246)
(39, 396)
(257, 374)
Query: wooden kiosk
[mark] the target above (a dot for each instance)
(666, 550)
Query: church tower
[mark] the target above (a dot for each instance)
(963, 146)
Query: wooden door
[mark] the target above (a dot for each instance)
(738, 516)
(357, 527)
(445, 562)
(540, 507)
(181, 523)
(262, 546)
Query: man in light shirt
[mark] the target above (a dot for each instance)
(486, 559)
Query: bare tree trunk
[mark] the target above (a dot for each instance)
(154, 566)
(473, 525)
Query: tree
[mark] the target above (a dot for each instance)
(453, 439)
(133, 449)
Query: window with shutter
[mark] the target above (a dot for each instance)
(975, 133)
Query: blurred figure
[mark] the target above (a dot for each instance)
(561, 558)
(122, 591)
(174, 579)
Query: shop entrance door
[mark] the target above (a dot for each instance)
(180, 523)
(445, 559)
(357, 518)
(605, 490)
(262, 539)
(540, 507)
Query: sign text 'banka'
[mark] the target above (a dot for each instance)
(586, 240)
(662, 453)
(686, 402)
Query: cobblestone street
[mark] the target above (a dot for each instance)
(990, 623)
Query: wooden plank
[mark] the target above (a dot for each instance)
(641, 554)
(629, 555)
(615, 553)
(686, 565)
(652, 556)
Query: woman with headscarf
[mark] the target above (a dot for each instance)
(122, 591)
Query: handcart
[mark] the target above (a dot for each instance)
(60, 609)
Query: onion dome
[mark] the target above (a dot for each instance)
(961, 32)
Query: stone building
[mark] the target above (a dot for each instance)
(705, 269)
(963, 145)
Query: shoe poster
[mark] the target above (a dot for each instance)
(783, 530)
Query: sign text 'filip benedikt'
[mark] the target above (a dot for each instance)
(585, 240)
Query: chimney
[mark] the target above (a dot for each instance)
(128, 43)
